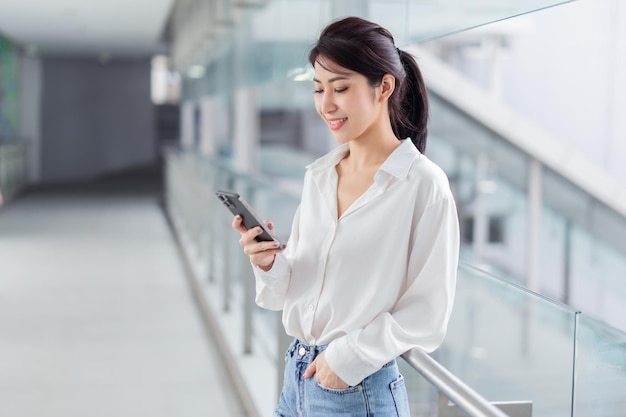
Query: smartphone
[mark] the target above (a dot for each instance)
(237, 205)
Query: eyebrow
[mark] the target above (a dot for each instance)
(332, 80)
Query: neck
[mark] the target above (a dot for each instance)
(372, 150)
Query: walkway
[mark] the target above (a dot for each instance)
(96, 315)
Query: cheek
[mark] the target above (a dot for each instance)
(318, 105)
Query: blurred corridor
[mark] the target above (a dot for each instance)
(96, 316)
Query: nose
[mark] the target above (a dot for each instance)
(327, 105)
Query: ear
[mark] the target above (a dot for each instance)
(387, 87)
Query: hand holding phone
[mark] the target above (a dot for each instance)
(264, 247)
(238, 206)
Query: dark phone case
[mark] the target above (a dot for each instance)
(233, 202)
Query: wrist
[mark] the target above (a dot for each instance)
(264, 268)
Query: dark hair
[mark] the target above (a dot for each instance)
(369, 49)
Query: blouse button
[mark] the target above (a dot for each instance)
(311, 307)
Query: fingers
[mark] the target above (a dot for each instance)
(248, 241)
(253, 247)
(238, 225)
(310, 370)
(261, 254)
(247, 236)
(324, 374)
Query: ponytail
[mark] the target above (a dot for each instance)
(409, 112)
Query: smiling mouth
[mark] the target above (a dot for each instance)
(337, 122)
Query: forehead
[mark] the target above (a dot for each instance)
(326, 69)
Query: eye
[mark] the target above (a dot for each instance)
(318, 91)
(340, 90)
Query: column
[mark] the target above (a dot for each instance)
(246, 129)
(187, 124)
(208, 133)
(480, 210)
(246, 118)
(30, 113)
(534, 224)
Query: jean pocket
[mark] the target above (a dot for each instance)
(340, 391)
(400, 397)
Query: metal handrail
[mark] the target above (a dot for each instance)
(449, 385)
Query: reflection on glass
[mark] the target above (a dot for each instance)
(600, 370)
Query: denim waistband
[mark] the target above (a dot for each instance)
(304, 352)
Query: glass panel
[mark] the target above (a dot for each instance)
(422, 395)
(600, 370)
(271, 42)
(437, 18)
(583, 242)
(273, 204)
(510, 344)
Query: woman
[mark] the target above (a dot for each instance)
(369, 271)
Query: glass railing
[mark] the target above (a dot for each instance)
(582, 238)
(600, 389)
(511, 346)
(272, 40)
(12, 169)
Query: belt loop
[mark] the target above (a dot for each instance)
(292, 347)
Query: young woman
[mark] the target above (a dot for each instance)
(369, 271)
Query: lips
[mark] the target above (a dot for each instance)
(336, 124)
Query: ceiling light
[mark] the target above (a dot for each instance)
(301, 74)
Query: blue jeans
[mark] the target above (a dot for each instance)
(382, 394)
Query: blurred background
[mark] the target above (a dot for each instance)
(118, 120)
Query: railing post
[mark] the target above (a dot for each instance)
(228, 237)
(207, 224)
(249, 290)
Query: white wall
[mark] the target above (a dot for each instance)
(570, 75)
(565, 70)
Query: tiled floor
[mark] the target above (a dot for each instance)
(96, 316)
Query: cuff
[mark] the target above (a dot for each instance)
(346, 362)
(274, 276)
(271, 286)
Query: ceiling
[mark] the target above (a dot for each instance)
(86, 27)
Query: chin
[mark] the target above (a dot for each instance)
(342, 138)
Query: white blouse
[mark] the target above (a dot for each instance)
(378, 281)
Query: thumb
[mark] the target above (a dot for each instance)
(310, 371)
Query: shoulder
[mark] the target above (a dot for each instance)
(430, 180)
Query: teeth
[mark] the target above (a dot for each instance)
(336, 122)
